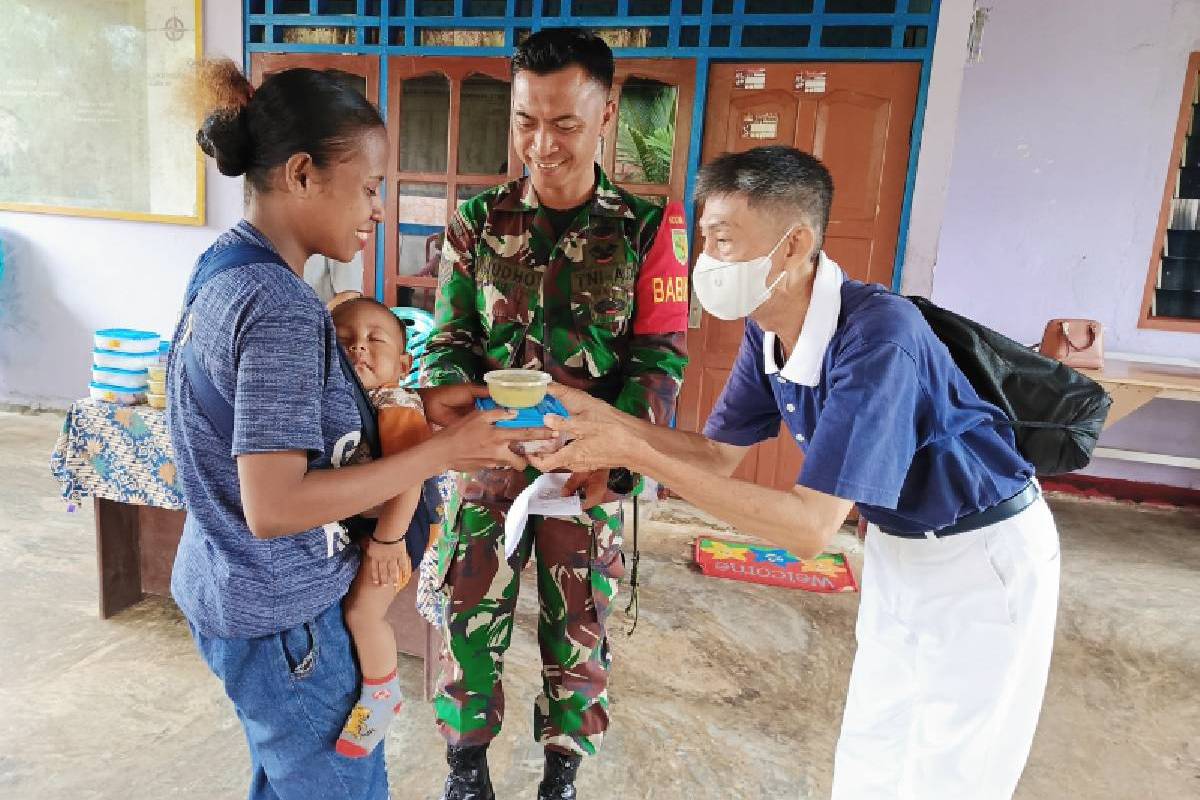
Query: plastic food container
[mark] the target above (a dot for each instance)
(120, 395)
(158, 372)
(127, 378)
(157, 387)
(114, 359)
(164, 350)
(517, 388)
(125, 340)
(156, 400)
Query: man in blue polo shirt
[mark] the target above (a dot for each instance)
(960, 580)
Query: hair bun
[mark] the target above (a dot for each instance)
(225, 137)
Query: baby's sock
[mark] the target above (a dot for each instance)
(369, 720)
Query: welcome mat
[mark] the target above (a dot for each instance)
(773, 566)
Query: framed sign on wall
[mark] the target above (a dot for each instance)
(91, 119)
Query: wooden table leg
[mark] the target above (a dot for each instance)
(118, 556)
(1127, 399)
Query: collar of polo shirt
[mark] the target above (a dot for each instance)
(804, 364)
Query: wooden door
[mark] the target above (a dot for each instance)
(448, 132)
(857, 118)
(365, 72)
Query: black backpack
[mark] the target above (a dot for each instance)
(1057, 413)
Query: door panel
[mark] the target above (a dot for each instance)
(860, 128)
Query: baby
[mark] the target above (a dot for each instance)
(375, 341)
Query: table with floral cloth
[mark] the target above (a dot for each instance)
(119, 453)
(121, 457)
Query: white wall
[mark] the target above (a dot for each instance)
(934, 163)
(67, 276)
(1064, 134)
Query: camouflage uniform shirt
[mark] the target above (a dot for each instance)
(603, 309)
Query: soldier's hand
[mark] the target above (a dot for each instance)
(446, 405)
(594, 486)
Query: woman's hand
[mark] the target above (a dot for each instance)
(387, 563)
(446, 405)
(474, 442)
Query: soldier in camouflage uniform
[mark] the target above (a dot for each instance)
(563, 272)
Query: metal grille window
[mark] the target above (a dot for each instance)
(795, 29)
(695, 33)
(1172, 296)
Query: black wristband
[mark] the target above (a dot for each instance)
(384, 541)
(621, 480)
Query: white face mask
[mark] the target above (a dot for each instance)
(734, 289)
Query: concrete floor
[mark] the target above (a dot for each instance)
(727, 690)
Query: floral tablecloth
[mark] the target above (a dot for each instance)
(117, 453)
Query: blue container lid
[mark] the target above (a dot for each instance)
(526, 417)
(123, 354)
(118, 371)
(164, 346)
(126, 333)
(118, 389)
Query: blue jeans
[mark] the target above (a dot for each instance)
(292, 691)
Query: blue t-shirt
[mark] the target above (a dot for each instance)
(268, 344)
(892, 423)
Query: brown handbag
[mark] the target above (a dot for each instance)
(1078, 343)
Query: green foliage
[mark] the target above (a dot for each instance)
(646, 130)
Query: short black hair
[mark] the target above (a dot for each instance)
(342, 307)
(553, 49)
(774, 177)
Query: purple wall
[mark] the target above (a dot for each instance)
(1064, 134)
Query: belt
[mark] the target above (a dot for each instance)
(1003, 510)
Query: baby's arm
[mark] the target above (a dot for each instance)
(389, 563)
(400, 427)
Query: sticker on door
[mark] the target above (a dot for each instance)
(760, 126)
(750, 78)
(811, 81)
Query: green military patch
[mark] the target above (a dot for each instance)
(609, 306)
(679, 240)
(611, 277)
(504, 273)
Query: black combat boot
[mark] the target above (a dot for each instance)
(559, 781)
(469, 778)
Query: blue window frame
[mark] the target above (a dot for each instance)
(703, 30)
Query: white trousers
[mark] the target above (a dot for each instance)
(954, 641)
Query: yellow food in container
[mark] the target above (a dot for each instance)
(156, 400)
(158, 386)
(517, 388)
(157, 373)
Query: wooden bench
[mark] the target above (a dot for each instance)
(1133, 384)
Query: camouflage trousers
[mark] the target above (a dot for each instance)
(578, 564)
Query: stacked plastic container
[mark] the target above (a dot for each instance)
(121, 362)
(157, 396)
